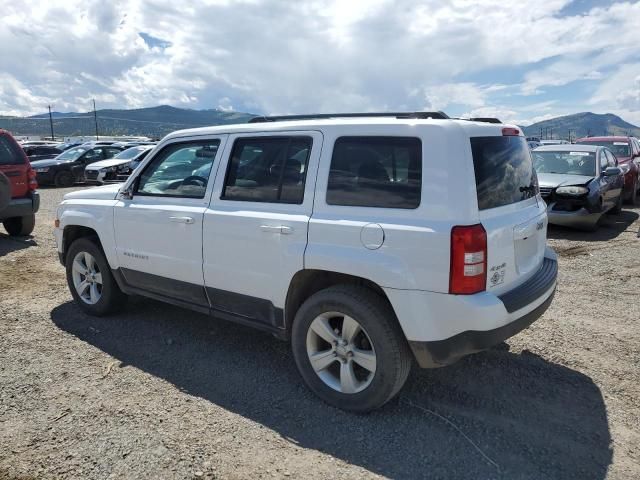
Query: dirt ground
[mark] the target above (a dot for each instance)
(159, 392)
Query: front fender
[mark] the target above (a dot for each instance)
(94, 214)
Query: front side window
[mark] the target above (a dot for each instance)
(180, 170)
(268, 169)
(92, 155)
(611, 160)
(382, 172)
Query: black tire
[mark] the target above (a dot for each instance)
(5, 191)
(64, 179)
(393, 357)
(20, 226)
(111, 299)
(618, 207)
(633, 199)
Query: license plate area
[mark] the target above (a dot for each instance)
(529, 241)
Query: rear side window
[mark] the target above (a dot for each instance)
(383, 172)
(9, 152)
(268, 169)
(503, 169)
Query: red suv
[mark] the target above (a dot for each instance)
(627, 151)
(18, 214)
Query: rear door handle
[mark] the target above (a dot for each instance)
(187, 220)
(282, 229)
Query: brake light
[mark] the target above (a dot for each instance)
(31, 179)
(468, 272)
(510, 132)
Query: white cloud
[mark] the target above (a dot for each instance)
(279, 56)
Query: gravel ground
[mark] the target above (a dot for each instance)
(159, 392)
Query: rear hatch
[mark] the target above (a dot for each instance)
(510, 210)
(14, 164)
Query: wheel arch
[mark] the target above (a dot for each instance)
(309, 281)
(71, 233)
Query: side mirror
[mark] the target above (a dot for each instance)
(612, 172)
(127, 193)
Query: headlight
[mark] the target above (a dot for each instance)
(42, 169)
(572, 190)
(624, 167)
(108, 169)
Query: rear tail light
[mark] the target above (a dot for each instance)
(510, 132)
(468, 273)
(31, 179)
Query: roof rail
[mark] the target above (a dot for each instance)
(320, 116)
(485, 119)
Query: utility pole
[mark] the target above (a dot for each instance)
(51, 124)
(95, 117)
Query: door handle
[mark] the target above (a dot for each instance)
(187, 220)
(282, 229)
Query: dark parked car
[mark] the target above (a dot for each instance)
(627, 152)
(579, 183)
(68, 167)
(41, 152)
(19, 200)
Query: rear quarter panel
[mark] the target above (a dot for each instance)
(415, 251)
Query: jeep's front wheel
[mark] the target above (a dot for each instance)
(90, 280)
(349, 348)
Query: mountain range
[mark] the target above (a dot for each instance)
(153, 122)
(158, 121)
(583, 124)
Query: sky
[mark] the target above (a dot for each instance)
(522, 61)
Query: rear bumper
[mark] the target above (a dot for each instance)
(442, 328)
(446, 352)
(19, 207)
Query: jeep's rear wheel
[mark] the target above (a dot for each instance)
(90, 280)
(20, 226)
(349, 348)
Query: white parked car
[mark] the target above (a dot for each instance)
(368, 242)
(117, 167)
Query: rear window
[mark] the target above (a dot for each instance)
(619, 148)
(9, 152)
(504, 171)
(383, 172)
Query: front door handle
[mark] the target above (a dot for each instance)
(187, 220)
(283, 229)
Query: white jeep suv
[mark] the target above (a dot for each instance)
(368, 241)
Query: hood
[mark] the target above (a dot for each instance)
(112, 162)
(49, 163)
(557, 179)
(104, 192)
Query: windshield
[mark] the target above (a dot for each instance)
(130, 153)
(570, 163)
(72, 154)
(619, 149)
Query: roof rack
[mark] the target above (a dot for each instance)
(485, 119)
(320, 116)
